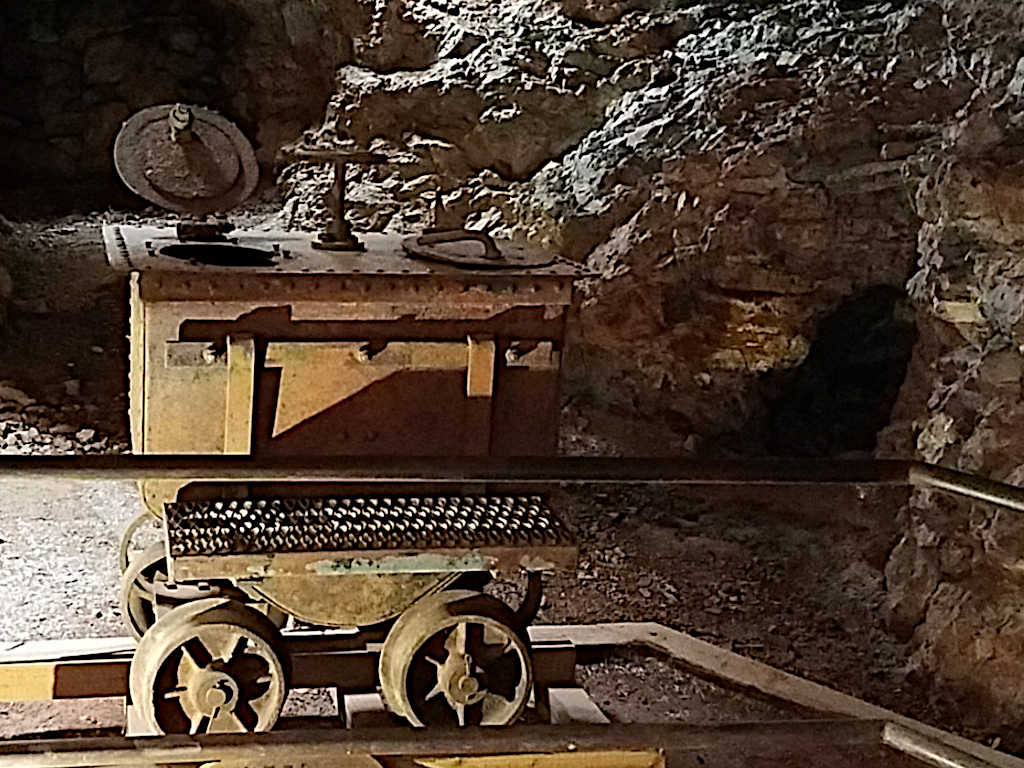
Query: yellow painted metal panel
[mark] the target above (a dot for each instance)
(241, 394)
(603, 759)
(318, 375)
(27, 682)
(480, 373)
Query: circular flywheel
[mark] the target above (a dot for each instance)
(186, 159)
(457, 658)
(210, 666)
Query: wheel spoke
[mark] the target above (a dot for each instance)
(197, 652)
(246, 715)
(199, 725)
(239, 649)
(175, 693)
(460, 713)
(435, 691)
(460, 640)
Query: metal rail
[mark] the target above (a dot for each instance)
(528, 471)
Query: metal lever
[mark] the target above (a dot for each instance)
(338, 234)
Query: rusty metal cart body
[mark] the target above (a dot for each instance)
(275, 344)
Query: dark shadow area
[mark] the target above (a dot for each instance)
(71, 73)
(219, 254)
(843, 393)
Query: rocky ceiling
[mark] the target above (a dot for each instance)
(805, 219)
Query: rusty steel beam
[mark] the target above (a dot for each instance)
(526, 471)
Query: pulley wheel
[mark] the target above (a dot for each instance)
(210, 666)
(186, 159)
(456, 658)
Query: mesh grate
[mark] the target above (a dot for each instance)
(270, 526)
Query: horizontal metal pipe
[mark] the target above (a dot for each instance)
(928, 750)
(754, 740)
(526, 471)
(456, 470)
(969, 486)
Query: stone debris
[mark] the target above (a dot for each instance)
(29, 428)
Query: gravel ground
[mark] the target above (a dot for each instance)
(58, 546)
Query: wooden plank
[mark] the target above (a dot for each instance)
(751, 740)
(574, 705)
(27, 682)
(57, 650)
(718, 664)
(598, 759)
(366, 710)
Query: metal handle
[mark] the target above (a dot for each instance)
(457, 235)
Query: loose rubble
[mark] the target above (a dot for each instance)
(29, 428)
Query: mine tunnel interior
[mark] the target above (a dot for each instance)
(800, 227)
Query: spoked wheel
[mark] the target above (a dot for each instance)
(210, 666)
(146, 594)
(126, 550)
(456, 658)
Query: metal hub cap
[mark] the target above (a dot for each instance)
(456, 675)
(213, 692)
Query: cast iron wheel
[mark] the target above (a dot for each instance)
(210, 666)
(146, 594)
(457, 658)
(126, 552)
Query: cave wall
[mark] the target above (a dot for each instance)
(737, 175)
(72, 72)
(730, 171)
(955, 578)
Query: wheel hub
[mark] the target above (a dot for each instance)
(458, 680)
(213, 692)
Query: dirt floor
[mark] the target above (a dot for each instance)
(790, 578)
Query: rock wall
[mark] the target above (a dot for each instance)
(755, 185)
(955, 578)
(731, 172)
(72, 72)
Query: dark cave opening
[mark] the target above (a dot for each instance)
(843, 393)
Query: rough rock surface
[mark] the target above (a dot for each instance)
(752, 184)
(74, 71)
(731, 172)
(954, 580)
(756, 186)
